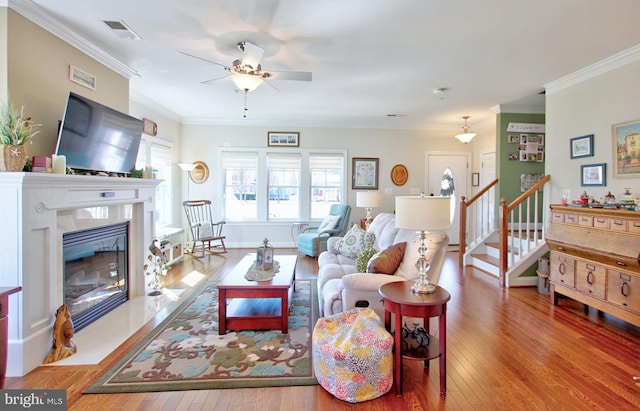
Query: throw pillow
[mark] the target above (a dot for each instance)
(364, 257)
(329, 222)
(352, 244)
(387, 261)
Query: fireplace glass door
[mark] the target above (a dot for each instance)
(95, 271)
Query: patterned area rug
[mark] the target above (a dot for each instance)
(185, 352)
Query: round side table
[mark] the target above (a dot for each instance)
(399, 300)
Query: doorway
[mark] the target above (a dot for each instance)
(446, 174)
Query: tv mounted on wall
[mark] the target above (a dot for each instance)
(95, 137)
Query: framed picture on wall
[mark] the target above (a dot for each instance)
(364, 174)
(593, 175)
(582, 146)
(626, 139)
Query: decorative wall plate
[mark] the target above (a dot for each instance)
(399, 174)
(200, 174)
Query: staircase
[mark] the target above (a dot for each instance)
(509, 250)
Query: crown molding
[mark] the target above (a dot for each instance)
(518, 109)
(617, 60)
(37, 15)
(149, 103)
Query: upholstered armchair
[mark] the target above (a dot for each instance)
(314, 239)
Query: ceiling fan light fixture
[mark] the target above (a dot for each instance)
(465, 136)
(246, 82)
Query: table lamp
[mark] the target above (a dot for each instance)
(368, 199)
(423, 214)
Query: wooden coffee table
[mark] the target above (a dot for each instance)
(256, 305)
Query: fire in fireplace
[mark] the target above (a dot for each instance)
(95, 271)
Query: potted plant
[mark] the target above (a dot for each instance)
(15, 131)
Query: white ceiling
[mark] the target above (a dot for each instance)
(369, 58)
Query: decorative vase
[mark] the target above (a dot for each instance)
(12, 157)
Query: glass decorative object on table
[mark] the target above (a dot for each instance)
(156, 268)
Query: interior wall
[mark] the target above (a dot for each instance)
(591, 107)
(3, 55)
(38, 79)
(391, 147)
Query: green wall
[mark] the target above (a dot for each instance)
(509, 170)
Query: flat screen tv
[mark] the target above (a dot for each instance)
(98, 138)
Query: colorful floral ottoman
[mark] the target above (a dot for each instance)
(352, 355)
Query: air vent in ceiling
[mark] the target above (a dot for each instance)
(122, 29)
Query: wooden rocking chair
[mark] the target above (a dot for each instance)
(206, 234)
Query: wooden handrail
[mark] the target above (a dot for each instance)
(463, 219)
(528, 193)
(504, 224)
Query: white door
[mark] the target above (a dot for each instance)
(447, 174)
(487, 175)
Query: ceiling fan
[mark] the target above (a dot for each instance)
(246, 72)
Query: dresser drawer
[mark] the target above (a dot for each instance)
(618, 224)
(562, 269)
(624, 289)
(634, 226)
(600, 222)
(591, 278)
(570, 218)
(585, 220)
(557, 217)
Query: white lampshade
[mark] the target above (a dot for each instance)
(368, 199)
(246, 81)
(422, 213)
(187, 166)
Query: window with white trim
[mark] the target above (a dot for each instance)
(286, 184)
(156, 153)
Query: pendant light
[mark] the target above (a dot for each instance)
(465, 137)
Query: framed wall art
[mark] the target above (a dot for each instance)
(626, 140)
(593, 175)
(364, 174)
(399, 174)
(475, 179)
(283, 139)
(582, 146)
(82, 77)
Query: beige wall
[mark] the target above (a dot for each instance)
(590, 107)
(38, 78)
(200, 142)
(3, 55)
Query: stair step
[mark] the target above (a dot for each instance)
(531, 234)
(487, 259)
(496, 245)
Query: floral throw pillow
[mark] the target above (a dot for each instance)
(387, 261)
(352, 244)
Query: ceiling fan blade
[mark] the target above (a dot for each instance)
(211, 81)
(252, 54)
(271, 89)
(203, 59)
(289, 75)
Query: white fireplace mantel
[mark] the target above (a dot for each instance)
(36, 209)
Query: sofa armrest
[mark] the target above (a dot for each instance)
(363, 282)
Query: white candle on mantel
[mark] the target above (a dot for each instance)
(59, 164)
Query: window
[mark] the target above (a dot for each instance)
(156, 154)
(280, 184)
(240, 177)
(284, 185)
(326, 182)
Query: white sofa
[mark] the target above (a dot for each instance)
(341, 287)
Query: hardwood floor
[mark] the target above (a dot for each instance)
(507, 349)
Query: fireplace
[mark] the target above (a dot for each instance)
(38, 211)
(95, 272)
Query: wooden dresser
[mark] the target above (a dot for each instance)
(595, 259)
